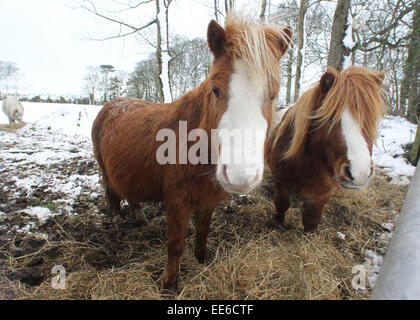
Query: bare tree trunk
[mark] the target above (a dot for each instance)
(412, 68)
(167, 4)
(229, 6)
(301, 39)
(415, 150)
(289, 76)
(337, 48)
(263, 9)
(162, 55)
(216, 10)
(159, 54)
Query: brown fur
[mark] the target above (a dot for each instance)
(307, 152)
(357, 88)
(124, 140)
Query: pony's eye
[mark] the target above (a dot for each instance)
(272, 97)
(215, 92)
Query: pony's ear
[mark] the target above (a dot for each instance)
(379, 77)
(216, 38)
(285, 42)
(327, 81)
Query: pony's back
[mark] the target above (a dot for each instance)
(108, 135)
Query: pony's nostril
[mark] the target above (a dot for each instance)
(347, 172)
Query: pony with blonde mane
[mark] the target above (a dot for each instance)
(324, 141)
(239, 94)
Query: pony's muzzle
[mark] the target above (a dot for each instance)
(351, 180)
(238, 179)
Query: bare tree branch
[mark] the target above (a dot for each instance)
(121, 23)
(127, 33)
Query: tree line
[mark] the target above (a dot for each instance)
(378, 34)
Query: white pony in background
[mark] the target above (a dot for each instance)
(13, 109)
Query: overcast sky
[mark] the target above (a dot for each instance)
(47, 39)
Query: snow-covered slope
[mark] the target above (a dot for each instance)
(71, 119)
(394, 133)
(76, 120)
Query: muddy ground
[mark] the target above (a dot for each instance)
(248, 256)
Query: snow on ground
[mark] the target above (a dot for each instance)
(50, 162)
(71, 119)
(394, 133)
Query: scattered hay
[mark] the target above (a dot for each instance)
(248, 258)
(12, 127)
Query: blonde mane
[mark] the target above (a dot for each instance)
(357, 89)
(258, 46)
(261, 48)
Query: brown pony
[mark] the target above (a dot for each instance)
(325, 141)
(239, 94)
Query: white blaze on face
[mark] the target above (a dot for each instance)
(241, 161)
(357, 149)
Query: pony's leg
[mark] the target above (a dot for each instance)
(282, 203)
(177, 218)
(138, 213)
(113, 201)
(201, 232)
(114, 204)
(311, 215)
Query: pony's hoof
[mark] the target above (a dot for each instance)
(169, 291)
(168, 294)
(309, 228)
(169, 285)
(141, 218)
(201, 257)
(116, 220)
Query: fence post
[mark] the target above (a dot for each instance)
(399, 277)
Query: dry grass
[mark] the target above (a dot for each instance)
(248, 257)
(12, 127)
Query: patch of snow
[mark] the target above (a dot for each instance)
(394, 133)
(26, 229)
(27, 184)
(388, 226)
(43, 214)
(348, 41)
(69, 119)
(341, 235)
(373, 264)
(385, 238)
(373, 260)
(41, 235)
